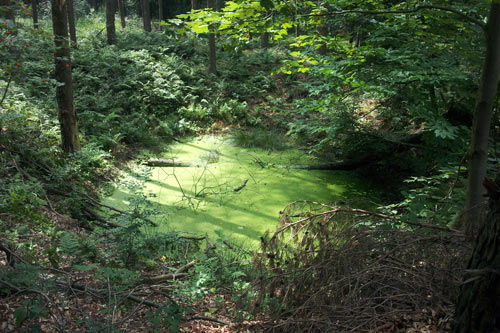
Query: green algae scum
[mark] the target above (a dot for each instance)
(233, 192)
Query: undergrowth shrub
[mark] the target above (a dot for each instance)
(122, 95)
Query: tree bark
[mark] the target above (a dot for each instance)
(322, 29)
(146, 15)
(94, 4)
(194, 4)
(160, 12)
(478, 306)
(212, 62)
(121, 8)
(481, 125)
(34, 13)
(8, 11)
(218, 5)
(64, 91)
(71, 22)
(110, 21)
(264, 40)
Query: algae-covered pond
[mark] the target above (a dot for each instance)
(202, 199)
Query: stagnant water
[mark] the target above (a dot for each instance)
(203, 199)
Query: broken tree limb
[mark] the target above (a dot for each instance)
(179, 273)
(237, 189)
(210, 245)
(215, 320)
(162, 278)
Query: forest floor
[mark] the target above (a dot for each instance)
(75, 303)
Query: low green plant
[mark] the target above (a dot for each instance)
(168, 316)
(436, 199)
(30, 310)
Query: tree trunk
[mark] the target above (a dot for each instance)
(146, 16)
(94, 4)
(110, 21)
(481, 125)
(121, 8)
(218, 5)
(64, 90)
(8, 10)
(322, 29)
(34, 13)
(71, 22)
(212, 64)
(264, 40)
(194, 4)
(478, 307)
(160, 12)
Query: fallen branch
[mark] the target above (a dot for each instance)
(94, 202)
(237, 189)
(162, 278)
(215, 320)
(210, 245)
(101, 219)
(103, 294)
(365, 213)
(198, 238)
(11, 255)
(228, 245)
(179, 273)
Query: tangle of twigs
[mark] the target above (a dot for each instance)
(331, 269)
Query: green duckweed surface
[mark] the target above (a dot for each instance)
(202, 199)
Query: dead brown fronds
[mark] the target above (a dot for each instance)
(331, 269)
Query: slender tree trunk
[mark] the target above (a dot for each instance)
(218, 5)
(71, 22)
(146, 16)
(121, 8)
(322, 29)
(212, 62)
(160, 12)
(34, 13)
(264, 40)
(481, 125)
(8, 10)
(194, 4)
(64, 90)
(110, 21)
(478, 307)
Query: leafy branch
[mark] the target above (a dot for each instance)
(401, 11)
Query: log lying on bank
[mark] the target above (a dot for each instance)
(162, 162)
(321, 166)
